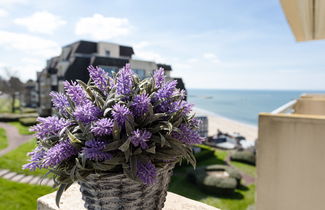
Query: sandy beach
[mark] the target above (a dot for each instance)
(227, 125)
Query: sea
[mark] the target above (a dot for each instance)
(242, 105)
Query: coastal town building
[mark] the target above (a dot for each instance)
(74, 59)
(29, 95)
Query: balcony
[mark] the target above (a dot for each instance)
(291, 156)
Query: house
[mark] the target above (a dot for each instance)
(29, 96)
(74, 59)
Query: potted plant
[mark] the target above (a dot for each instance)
(119, 137)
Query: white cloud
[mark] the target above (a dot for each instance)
(150, 56)
(31, 45)
(141, 45)
(12, 2)
(41, 22)
(3, 13)
(100, 27)
(211, 57)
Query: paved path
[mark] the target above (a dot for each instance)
(246, 178)
(13, 176)
(14, 138)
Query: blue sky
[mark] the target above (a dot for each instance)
(231, 44)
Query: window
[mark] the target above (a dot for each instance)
(107, 53)
(140, 72)
(109, 69)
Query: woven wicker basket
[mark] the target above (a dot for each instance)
(116, 191)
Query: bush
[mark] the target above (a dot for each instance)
(204, 154)
(244, 157)
(10, 117)
(233, 173)
(28, 110)
(30, 121)
(214, 184)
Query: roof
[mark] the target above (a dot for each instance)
(86, 47)
(126, 51)
(164, 66)
(108, 61)
(78, 69)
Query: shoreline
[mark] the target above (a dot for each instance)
(224, 124)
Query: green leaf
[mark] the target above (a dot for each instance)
(128, 127)
(152, 150)
(86, 89)
(116, 131)
(137, 151)
(107, 110)
(59, 194)
(99, 101)
(112, 146)
(72, 138)
(125, 146)
(163, 140)
(72, 173)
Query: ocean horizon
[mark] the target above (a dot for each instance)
(242, 105)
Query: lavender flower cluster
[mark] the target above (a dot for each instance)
(103, 125)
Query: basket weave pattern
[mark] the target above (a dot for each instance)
(118, 192)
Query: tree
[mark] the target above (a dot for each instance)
(11, 86)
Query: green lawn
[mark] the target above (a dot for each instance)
(5, 105)
(14, 159)
(246, 168)
(23, 130)
(241, 199)
(17, 196)
(3, 139)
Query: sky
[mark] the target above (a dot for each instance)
(224, 44)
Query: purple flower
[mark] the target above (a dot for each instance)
(120, 113)
(140, 104)
(146, 172)
(61, 151)
(140, 138)
(194, 122)
(102, 127)
(60, 101)
(187, 135)
(35, 159)
(87, 113)
(176, 106)
(159, 77)
(124, 80)
(166, 90)
(93, 150)
(49, 126)
(100, 77)
(76, 93)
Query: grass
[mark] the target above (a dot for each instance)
(16, 196)
(3, 139)
(246, 168)
(23, 130)
(240, 200)
(14, 159)
(5, 105)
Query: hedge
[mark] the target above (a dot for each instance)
(245, 156)
(8, 117)
(213, 184)
(30, 121)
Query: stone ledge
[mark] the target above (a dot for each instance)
(71, 199)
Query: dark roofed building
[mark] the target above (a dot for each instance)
(74, 59)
